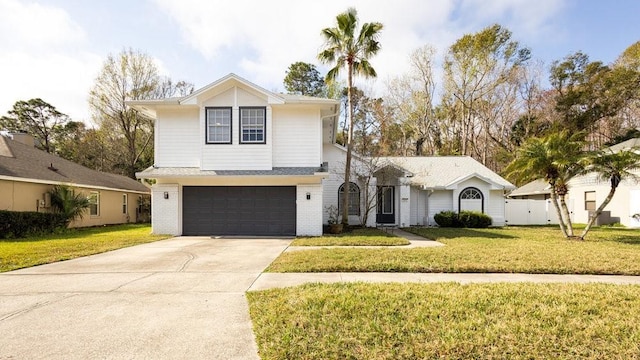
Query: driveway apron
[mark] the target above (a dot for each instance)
(181, 298)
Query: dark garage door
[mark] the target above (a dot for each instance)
(239, 210)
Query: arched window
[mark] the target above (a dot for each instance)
(354, 198)
(471, 199)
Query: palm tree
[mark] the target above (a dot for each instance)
(556, 158)
(344, 49)
(614, 167)
(64, 200)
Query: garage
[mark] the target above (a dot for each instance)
(239, 210)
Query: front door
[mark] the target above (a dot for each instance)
(386, 205)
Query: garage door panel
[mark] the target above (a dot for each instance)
(241, 210)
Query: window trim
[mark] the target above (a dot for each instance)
(206, 125)
(264, 125)
(471, 188)
(594, 201)
(357, 193)
(125, 204)
(94, 195)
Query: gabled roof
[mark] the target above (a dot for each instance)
(536, 187)
(446, 172)
(21, 162)
(626, 145)
(194, 99)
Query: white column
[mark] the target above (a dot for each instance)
(405, 203)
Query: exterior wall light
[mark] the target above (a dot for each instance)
(166, 194)
(308, 196)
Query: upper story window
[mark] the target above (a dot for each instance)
(218, 125)
(252, 125)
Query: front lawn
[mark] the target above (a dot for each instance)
(73, 243)
(353, 237)
(502, 250)
(447, 321)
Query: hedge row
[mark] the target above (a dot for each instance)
(17, 224)
(467, 219)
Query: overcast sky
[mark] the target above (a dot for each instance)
(54, 49)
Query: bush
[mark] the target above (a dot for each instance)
(474, 219)
(468, 219)
(17, 224)
(447, 219)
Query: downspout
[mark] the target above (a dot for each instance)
(335, 123)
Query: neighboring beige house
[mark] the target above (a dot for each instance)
(27, 174)
(530, 203)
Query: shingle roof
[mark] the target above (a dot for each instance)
(22, 161)
(626, 145)
(193, 171)
(536, 187)
(443, 171)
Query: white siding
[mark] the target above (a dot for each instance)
(620, 206)
(495, 207)
(418, 206)
(309, 212)
(178, 138)
(440, 200)
(236, 156)
(166, 212)
(297, 137)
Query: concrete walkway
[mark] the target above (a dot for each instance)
(181, 298)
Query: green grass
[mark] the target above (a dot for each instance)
(506, 250)
(354, 237)
(73, 243)
(447, 321)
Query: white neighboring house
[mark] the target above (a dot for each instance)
(586, 193)
(235, 159)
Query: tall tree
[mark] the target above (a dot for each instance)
(587, 92)
(130, 75)
(555, 158)
(38, 118)
(475, 66)
(412, 98)
(346, 48)
(304, 79)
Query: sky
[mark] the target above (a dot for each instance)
(54, 49)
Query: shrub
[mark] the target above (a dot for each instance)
(17, 224)
(447, 219)
(65, 201)
(468, 219)
(474, 219)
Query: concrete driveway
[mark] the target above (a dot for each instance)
(181, 298)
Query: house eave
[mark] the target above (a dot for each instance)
(72, 184)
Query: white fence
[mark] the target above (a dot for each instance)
(532, 212)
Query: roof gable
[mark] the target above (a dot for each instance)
(225, 83)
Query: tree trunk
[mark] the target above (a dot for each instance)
(566, 218)
(599, 210)
(347, 167)
(554, 200)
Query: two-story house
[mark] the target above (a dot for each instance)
(236, 159)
